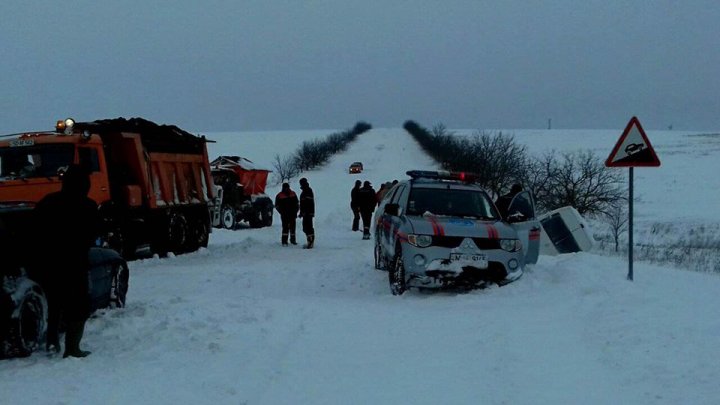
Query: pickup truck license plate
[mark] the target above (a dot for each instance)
(477, 260)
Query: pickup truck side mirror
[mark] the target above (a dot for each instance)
(392, 209)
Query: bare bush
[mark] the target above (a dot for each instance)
(311, 154)
(617, 219)
(579, 179)
(538, 175)
(497, 159)
(285, 168)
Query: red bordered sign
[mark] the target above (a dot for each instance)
(633, 149)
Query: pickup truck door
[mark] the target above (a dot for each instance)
(391, 223)
(521, 216)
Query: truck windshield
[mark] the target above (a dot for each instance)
(24, 162)
(452, 203)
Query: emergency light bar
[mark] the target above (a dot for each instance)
(442, 175)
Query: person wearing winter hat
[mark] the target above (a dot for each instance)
(307, 212)
(366, 195)
(286, 203)
(68, 224)
(503, 202)
(355, 205)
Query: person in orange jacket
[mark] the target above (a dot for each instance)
(286, 203)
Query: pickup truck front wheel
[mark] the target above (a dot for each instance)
(396, 276)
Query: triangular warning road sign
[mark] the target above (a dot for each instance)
(633, 149)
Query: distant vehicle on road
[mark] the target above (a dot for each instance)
(356, 167)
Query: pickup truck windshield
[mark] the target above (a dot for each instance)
(22, 162)
(452, 203)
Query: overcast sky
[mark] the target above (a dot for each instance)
(241, 65)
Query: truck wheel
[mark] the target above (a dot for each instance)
(177, 233)
(257, 220)
(228, 218)
(27, 330)
(203, 235)
(263, 211)
(268, 219)
(119, 288)
(198, 235)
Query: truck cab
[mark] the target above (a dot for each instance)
(31, 166)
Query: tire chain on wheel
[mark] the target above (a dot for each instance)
(397, 281)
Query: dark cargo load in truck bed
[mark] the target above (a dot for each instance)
(155, 138)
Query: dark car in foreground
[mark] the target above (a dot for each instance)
(440, 230)
(23, 306)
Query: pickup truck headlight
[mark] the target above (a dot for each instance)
(510, 245)
(420, 240)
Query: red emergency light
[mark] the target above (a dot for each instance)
(442, 175)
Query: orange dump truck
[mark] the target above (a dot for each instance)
(152, 182)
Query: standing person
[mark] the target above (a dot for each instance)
(380, 193)
(503, 202)
(286, 203)
(307, 212)
(385, 189)
(69, 224)
(367, 206)
(355, 206)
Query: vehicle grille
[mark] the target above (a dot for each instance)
(452, 242)
(447, 241)
(486, 243)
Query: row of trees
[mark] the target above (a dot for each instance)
(579, 179)
(315, 153)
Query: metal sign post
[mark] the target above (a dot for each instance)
(630, 229)
(633, 149)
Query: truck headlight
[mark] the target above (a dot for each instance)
(510, 245)
(420, 240)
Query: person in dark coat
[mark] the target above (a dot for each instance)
(286, 203)
(355, 205)
(503, 202)
(307, 212)
(367, 206)
(68, 225)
